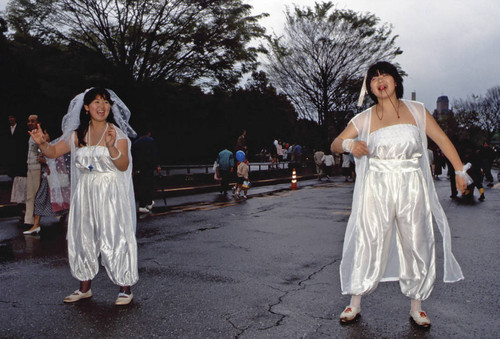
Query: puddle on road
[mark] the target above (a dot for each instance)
(50, 242)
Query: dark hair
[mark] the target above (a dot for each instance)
(85, 117)
(384, 67)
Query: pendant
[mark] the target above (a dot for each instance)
(91, 168)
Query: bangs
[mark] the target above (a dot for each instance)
(382, 68)
(93, 93)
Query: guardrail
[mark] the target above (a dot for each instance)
(169, 170)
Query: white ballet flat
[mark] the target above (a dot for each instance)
(420, 318)
(350, 313)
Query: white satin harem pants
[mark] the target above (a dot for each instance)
(396, 201)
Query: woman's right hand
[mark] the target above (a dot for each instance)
(38, 135)
(359, 149)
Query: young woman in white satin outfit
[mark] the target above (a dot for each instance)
(389, 236)
(102, 216)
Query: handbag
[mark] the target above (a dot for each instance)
(246, 184)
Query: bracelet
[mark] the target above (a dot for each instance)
(347, 145)
(117, 157)
(46, 145)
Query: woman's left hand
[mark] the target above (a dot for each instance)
(110, 136)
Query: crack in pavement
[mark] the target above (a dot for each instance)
(301, 286)
(240, 330)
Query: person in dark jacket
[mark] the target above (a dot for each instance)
(146, 162)
(225, 161)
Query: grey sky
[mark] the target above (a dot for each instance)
(450, 47)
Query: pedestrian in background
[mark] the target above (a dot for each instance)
(225, 161)
(346, 166)
(274, 154)
(280, 151)
(473, 156)
(146, 164)
(453, 183)
(297, 155)
(487, 156)
(394, 196)
(242, 179)
(241, 143)
(16, 149)
(439, 162)
(102, 215)
(328, 161)
(318, 160)
(286, 153)
(352, 166)
(33, 174)
(43, 205)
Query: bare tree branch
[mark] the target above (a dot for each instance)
(322, 55)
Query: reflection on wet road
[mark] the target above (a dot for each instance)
(51, 241)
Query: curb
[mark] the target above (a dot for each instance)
(13, 210)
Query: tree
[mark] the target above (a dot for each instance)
(320, 60)
(186, 41)
(481, 112)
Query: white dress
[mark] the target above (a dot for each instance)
(389, 235)
(102, 218)
(396, 204)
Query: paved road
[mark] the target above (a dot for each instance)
(266, 267)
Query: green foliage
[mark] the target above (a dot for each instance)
(191, 126)
(186, 41)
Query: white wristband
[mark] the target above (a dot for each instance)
(347, 145)
(463, 174)
(117, 157)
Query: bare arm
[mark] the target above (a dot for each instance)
(50, 151)
(435, 132)
(121, 147)
(359, 147)
(118, 153)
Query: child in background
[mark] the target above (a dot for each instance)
(242, 178)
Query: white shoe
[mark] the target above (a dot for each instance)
(350, 313)
(77, 295)
(244, 196)
(124, 298)
(150, 207)
(31, 231)
(143, 210)
(420, 318)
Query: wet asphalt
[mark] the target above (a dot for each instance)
(211, 266)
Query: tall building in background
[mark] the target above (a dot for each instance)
(442, 108)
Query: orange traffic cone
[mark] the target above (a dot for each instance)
(294, 180)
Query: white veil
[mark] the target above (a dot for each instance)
(69, 125)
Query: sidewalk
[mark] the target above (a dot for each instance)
(191, 192)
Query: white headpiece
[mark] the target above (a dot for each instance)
(60, 189)
(121, 113)
(363, 92)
